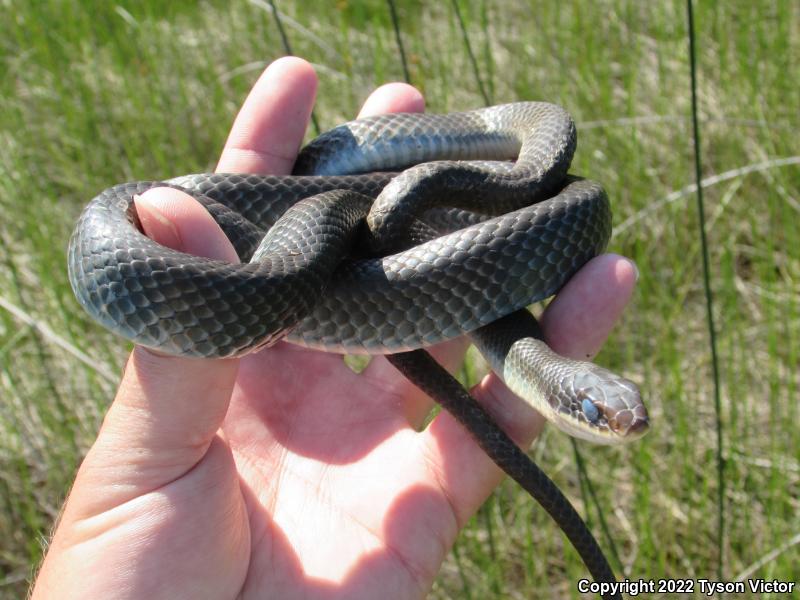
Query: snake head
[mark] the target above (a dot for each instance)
(610, 405)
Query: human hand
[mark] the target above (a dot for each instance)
(284, 474)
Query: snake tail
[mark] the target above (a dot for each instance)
(430, 377)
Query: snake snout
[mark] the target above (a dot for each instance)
(624, 410)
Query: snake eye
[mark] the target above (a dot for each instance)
(590, 411)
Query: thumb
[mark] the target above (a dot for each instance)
(168, 409)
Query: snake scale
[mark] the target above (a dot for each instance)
(394, 233)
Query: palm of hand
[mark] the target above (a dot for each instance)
(337, 485)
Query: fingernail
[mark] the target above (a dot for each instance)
(635, 269)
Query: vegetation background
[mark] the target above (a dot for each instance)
(93, 93)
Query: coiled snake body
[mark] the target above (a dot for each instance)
(460, 242)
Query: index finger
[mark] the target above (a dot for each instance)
(270, 126)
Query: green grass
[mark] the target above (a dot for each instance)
(93, 93)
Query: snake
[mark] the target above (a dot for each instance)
(393, 233)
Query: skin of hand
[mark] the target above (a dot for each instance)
(284, 474)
